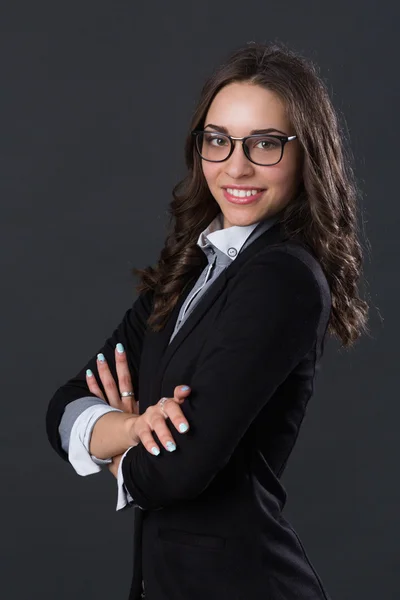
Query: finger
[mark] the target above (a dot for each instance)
(144, 433)
(93, 385)
(128, 404)
(181, 392)
(124, 376)
(174, 412)
(124, 379)
(157, 423)
(108, 382)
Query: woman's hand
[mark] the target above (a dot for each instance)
(153, 419)
(127, 404)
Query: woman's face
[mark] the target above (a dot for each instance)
(240, 108)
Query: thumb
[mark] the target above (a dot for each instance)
(181, 392)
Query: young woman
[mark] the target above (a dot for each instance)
(261, 262)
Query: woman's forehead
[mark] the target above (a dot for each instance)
(241, 107)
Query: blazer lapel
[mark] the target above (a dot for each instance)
(160, 344)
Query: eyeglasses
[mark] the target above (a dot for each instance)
(260, 149)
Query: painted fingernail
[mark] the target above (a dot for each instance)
(120, 348)
(183, 427)
(184, 388)
(155, 450)
(100, 357)
(170, 446)
(89, 373)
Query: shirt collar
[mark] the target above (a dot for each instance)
(230, 240)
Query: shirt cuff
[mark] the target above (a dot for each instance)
(78, 453)
(71, 413)
(124, 498)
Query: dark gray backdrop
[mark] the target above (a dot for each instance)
(86, 88)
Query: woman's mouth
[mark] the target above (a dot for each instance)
(242, 197)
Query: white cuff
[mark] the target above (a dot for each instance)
(124, 496)
(78, 451)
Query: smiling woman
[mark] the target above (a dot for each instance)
(262, 162)
(262, 260)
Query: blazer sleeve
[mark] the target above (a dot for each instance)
(130, 332)
(268, 324)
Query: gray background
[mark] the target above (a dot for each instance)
(86, 89)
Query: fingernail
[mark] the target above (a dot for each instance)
(184, 388)
(170, 446)
(120, 348)
(155, 450)
(89, 373)
(183, 427)
(100, 357)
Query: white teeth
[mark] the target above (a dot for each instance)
(242, 193)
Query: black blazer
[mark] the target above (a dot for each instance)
(212, 525)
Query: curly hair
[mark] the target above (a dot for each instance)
(323, 214)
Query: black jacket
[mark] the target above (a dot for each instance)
(212, 525)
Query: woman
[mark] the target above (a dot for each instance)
(263, 259)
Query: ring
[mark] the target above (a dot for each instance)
(125, 394)
(161, 403)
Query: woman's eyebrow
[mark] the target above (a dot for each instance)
(223, 129)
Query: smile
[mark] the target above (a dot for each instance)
(242, 196)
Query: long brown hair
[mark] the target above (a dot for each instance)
(323, 215)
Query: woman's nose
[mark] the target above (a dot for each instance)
(238, 164)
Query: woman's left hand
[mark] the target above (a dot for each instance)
(178, 399)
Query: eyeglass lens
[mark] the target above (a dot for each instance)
(264, 150)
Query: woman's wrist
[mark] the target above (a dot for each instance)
(129, 435)
(112, 434)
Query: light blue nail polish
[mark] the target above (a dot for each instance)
(170, 446)
(155, 450)
(120, 348)
(100, 357)
(184, 388)
(183, 427)
(89, 373)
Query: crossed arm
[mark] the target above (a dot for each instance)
(90, 408)
(269, 323)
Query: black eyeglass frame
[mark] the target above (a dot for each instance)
(284, 139)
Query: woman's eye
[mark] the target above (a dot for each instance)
(220, 141)
(266, 145)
